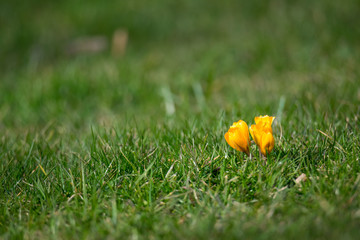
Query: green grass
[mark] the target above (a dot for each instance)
(100, 147)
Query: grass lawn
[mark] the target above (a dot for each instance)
(132, 147)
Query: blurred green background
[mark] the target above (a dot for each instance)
(99, 141)
(186, 56)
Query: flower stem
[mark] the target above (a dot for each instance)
(262, 156)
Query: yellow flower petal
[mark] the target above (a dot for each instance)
(267, 143)
(229, 137)
(255, 133)
(264, 122)
(238, 136)
(261, 132)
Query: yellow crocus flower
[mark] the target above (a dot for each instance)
(262, 134)
(238, 137)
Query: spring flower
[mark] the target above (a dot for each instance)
(262, 134)
(238, 136)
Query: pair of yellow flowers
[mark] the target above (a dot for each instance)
(238, 135)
